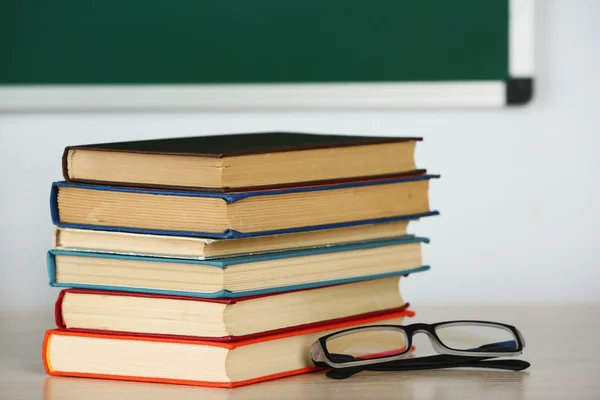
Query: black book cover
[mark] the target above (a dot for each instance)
(220, 146)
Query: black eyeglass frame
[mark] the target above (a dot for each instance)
(320, 354)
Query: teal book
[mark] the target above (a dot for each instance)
(237, 276)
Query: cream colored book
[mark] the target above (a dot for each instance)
(205, 248)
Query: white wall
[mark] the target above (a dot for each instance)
(519, 192)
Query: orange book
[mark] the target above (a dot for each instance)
(188, 361)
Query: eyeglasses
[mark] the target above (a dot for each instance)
(464, 343)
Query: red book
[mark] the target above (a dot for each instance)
(191, 361)
(224, 319)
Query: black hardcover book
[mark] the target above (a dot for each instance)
(240, 161)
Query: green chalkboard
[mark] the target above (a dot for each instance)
(264, 53)
(251, 41)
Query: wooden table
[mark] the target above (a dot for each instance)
(563, 346)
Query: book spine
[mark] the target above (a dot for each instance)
(65, 163)
(54, 204)
(51, 268)
(45, 356)
(56, 238)
(58, 314)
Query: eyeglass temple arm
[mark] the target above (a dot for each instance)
(432, 362)
(513, 365)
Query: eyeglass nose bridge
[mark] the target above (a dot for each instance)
(424, 328)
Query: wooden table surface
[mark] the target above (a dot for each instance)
(563, 347)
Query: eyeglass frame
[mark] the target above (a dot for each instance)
(320, 354)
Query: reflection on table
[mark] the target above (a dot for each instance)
(433, 385)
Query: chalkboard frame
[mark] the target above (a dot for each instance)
(515, 91)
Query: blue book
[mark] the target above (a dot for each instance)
(240, 214)
(237, 276)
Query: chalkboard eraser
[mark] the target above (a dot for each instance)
(519, 91)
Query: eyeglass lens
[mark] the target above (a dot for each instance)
(388, 342)
(476, 338)
(369, 344)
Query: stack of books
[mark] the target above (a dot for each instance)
(219, 260)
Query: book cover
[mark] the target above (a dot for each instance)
(240, 144)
